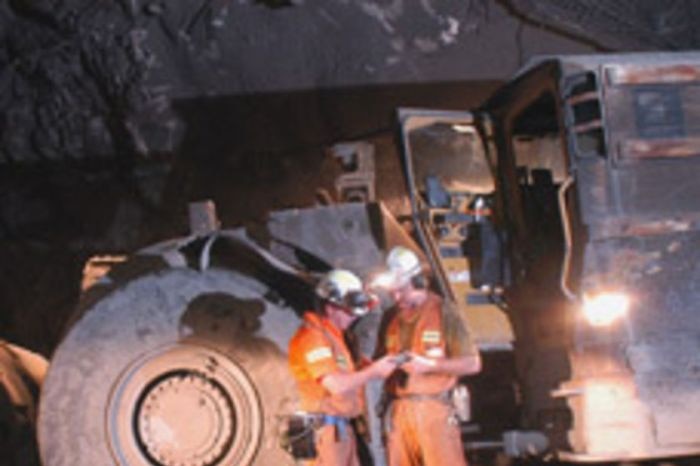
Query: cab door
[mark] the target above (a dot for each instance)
(450, 179)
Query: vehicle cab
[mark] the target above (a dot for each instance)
(592, 236)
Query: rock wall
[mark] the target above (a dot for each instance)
(113, 115)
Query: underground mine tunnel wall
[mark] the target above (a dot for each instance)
(250, 154)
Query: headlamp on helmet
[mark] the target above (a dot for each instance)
(344, 289)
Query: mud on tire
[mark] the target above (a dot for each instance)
(176, 367)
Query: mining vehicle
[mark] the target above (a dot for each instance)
(571, 197)
(559, 218)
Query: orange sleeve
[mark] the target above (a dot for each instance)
(311, 353)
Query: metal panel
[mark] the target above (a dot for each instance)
(660, 339)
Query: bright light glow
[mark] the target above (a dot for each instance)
(382, 280)
(460, 128)
(603, 309)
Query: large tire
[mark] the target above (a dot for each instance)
(178, 367)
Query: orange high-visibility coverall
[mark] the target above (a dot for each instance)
(420, 431)
(316, 350)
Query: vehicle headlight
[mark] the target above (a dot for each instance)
(602, 309)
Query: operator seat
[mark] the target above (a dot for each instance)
(435, 193)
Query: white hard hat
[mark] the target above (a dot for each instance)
(404, 264)
(343, 288)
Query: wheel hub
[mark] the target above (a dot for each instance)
(184, 405)
(164, 420)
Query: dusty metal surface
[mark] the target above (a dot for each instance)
(669, 148)
(615, 392)
(353, 236)
(647, 227)
(660, 339)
